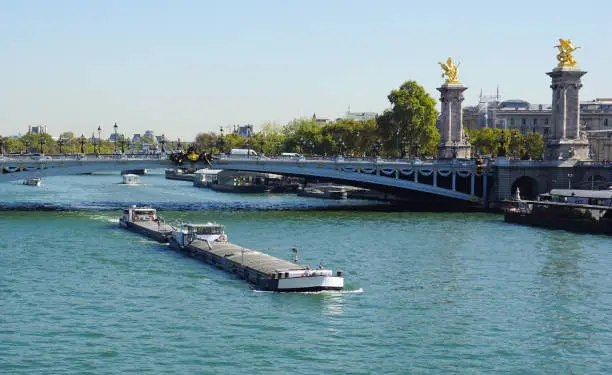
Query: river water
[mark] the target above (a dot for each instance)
(427, 293)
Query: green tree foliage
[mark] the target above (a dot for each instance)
(273, 139)
(355, 138)
(487, 141)
(207, 142)
(534, 145)
(303, 135)
(411, 122)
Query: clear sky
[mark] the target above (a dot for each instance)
(183, 67)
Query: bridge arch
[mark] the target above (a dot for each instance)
(528, 187)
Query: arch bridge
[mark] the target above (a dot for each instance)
(457, 181)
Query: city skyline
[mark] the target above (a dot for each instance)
(192, 67)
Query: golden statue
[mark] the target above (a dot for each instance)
(565, 57)
(450, 71)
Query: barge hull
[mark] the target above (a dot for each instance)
(580, 225)
(229, 258)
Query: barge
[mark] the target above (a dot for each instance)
(209, 243)
(145, 221)
(583, 211)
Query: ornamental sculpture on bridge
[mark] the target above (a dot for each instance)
(450, 71)
(565, 56)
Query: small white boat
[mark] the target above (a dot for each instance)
(34, 181)
(131, 179)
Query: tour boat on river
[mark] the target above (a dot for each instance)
(131, 179)
(33, 181)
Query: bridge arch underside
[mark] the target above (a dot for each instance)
(430, 193)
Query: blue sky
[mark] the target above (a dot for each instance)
(183, 67)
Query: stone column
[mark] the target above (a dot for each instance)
(453, 142)
(567, 141)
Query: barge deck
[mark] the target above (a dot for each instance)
(208, 243)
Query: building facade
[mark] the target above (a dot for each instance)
(595, 120)
(37, 129)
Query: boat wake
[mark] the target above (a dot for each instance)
(176, 206)
(329, 292)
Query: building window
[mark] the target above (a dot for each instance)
(535, 121)
(547, 130)
(606, 122)
(511, 122)
(524, 121)
(523, 129)
(546, 121)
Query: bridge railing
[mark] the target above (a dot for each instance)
(30, 158)
(341, 159)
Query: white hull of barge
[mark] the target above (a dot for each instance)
(310, 283)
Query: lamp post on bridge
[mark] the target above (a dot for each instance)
(60, 143)
(99, 139)
(221, 140)
(376, 148)
(162, 141)
(115, 127)
(82, 141)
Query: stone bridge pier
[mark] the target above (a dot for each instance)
(533, 178)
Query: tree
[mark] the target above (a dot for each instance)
(206, 142)
(485, 141)
(534, 145)
(273, 139)
(411, 121)
(301, 132)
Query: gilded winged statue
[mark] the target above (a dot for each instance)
(565, 56)
(450, 71)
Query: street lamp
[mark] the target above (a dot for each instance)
(82, 141)
(60, 143)
(250, 130)
(99, 139)
(162, 141)
(178, 144)
(27, 143)
(115, 127)
(41, 140)
(502, 142)
(569, 182)
(376, 147)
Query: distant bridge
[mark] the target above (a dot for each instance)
(18, 168)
